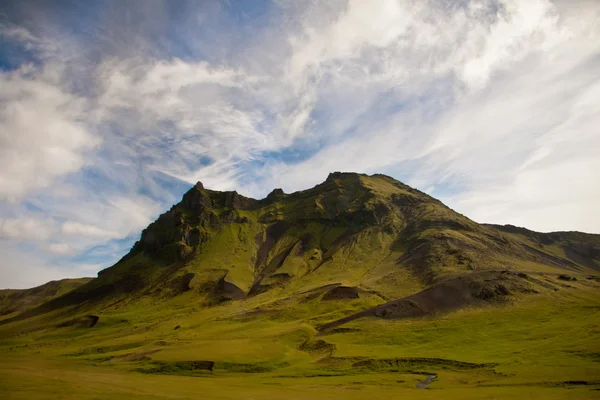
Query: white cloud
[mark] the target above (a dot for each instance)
(60, 248)
(160, 90)
(42, 135)
(79, 229)
(33, 269)
(520, 89)
(129, 215)
(25, 229)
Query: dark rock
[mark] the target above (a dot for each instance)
(194, 237)
(87, 321)
(180, 284)
(275, 195)
(317, 346)
(228, 217)
(341, 293)
(177, 367)
(229, 291)
(565, 277)
(405, 200)
(205, 365)
(236, 201)
(196, 199)
(174, 252)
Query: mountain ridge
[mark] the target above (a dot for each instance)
(371, 233)
(360, 280)
(17, 300)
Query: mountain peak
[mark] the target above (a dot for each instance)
(343, 175)
(363, 232)
(276, 194)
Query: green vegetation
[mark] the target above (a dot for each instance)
(14, 301)
(359, 287)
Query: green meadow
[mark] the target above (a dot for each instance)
(535, 346)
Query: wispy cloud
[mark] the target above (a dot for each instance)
(26, 228)
(79, 229)
(491, 105)
(42, 133)
(60, 248)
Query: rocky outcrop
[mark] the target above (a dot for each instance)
(87, 321)
(341, 293)
(275, 195)
(196, 198)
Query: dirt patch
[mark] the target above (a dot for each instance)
(341, 293)
(318, 347)
(474, 289)
(401, 308)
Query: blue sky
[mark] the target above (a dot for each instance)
(110, 111)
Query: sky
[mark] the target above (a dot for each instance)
(111, 110)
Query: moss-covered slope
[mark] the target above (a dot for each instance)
(372, 234)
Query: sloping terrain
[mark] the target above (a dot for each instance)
(370, 233)
(475, 289)
(358, 283)
(580, 248)
(18, 300)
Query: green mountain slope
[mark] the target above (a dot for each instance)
(360, 284)
(19, 300)
(371, 234)
(578, 247)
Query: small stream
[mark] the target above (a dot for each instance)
(423, 384)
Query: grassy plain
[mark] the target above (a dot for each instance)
(538, 346)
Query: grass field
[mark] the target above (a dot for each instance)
(538, 346)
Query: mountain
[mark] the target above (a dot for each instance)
(361, 282)
(352, 236)
(578, 247)
(19, 300)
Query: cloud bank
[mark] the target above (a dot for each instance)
(108, 112)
